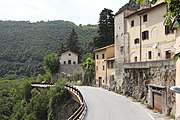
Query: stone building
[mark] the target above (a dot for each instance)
(143, 49)
(149, 39)
(69, 66)
(68, 57)
(104, 66)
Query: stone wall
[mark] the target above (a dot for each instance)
(121, 49)
(67, 109)
(137, 77)
(72, 71)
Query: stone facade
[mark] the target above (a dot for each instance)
(160, 75)
(121, 47)
(67, 109)
(69, 58)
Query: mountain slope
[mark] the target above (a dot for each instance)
(23, 42)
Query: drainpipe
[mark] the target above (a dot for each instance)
(140, 39)
(106, 73)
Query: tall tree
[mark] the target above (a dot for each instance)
(62, 48)
(88, 67)
(73, 43)
(106, 29)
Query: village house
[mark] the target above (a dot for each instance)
(149, 39)
(141, 36)
(144, 47)
(70, 67)
(69, 58)
(104, 66)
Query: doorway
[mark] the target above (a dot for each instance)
(100, 81)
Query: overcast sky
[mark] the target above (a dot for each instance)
(78, 11)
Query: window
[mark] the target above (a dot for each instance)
(116, 36)
(168, 54)
(136, 41)
(122, 50)
(97, 57)
(112, 64)
(69, 62)
(145, 35)
(168, 30)
(149, 55)
(74, 62)
(103, 67)
(111, 77)
(145, 18)
(102, 56)
(135, 59)
(64, 62)
(159, 54)
(132, 23)
(69, 54)
(108, 64)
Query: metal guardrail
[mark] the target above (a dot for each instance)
(81, 111)
(41, 85)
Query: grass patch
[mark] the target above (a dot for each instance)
(148, 106)
(172, 117)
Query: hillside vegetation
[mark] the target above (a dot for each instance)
(23, 44)
(19, 101)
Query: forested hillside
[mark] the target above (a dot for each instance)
(19, 101)
(23, 44)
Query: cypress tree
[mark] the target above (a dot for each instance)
(106, 29)
(72, 43)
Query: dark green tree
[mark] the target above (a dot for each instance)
(106, 29)
(37, 109)
(62, 48)
(72, 43)
(26, 90)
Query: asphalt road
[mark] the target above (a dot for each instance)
(107, 105)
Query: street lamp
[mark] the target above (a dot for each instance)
(175, 89)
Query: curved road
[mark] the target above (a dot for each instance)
(107, 105)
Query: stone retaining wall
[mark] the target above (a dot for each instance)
(137, 76)
(74, 72)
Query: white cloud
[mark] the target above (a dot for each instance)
(78, 11)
